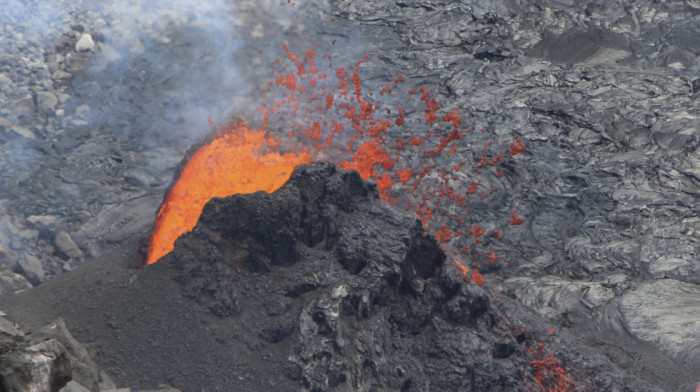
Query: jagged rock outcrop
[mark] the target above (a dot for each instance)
(51, 360)
(47, 360)
(319, 286)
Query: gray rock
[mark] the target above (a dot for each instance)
(85, 44)
(49, 359)
(61, 76)
(66, 245)
(73, 386)
(9, 328)
(62, 97)
(7, 256)
(553, 297)
(30, 267)
(82, 111)
(83, 369)
(5, 124)
(40, 367)
(6, 84)
(12, 283)
(76, 62)
(666, 313)
(47, 102)
(24, 106)
(674, 267)
(75, 122)
(44, 221)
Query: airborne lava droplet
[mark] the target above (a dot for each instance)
(517, 146)
(516, 219)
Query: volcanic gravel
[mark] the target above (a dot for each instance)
(99, 102)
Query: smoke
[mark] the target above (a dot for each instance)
(206, 59)
(30, 16)
(183, 53)
(186, 60)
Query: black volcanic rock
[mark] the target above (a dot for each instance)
(319, 286)
(331, 221)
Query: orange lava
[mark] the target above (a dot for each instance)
(321, 111)
(238, 160)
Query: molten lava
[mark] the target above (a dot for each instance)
(324, 112)
(238, 160)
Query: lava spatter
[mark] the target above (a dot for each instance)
(328, 114)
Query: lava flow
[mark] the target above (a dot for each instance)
(238, 160)
(326, 114)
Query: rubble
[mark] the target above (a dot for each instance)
(50, 359)
(12, 283)
(46, 360)
(66, 245)
(85, 44)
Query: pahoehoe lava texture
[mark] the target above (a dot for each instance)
(319, 286)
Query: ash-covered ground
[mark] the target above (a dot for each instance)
(100, 102)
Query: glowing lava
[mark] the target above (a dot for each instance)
(325, 112)
(238, 160)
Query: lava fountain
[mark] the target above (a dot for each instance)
(238, 160)
(328, 115)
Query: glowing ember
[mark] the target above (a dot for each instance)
(238, 160)
(516, 219)
(547, 371)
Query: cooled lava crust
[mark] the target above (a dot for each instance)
(318, 286)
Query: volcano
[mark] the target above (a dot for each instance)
(319, 286)
(550, 146)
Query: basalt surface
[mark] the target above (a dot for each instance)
(318, 286)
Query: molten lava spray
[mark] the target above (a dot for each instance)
(326, 114)
(238, 160)
(331, 117)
